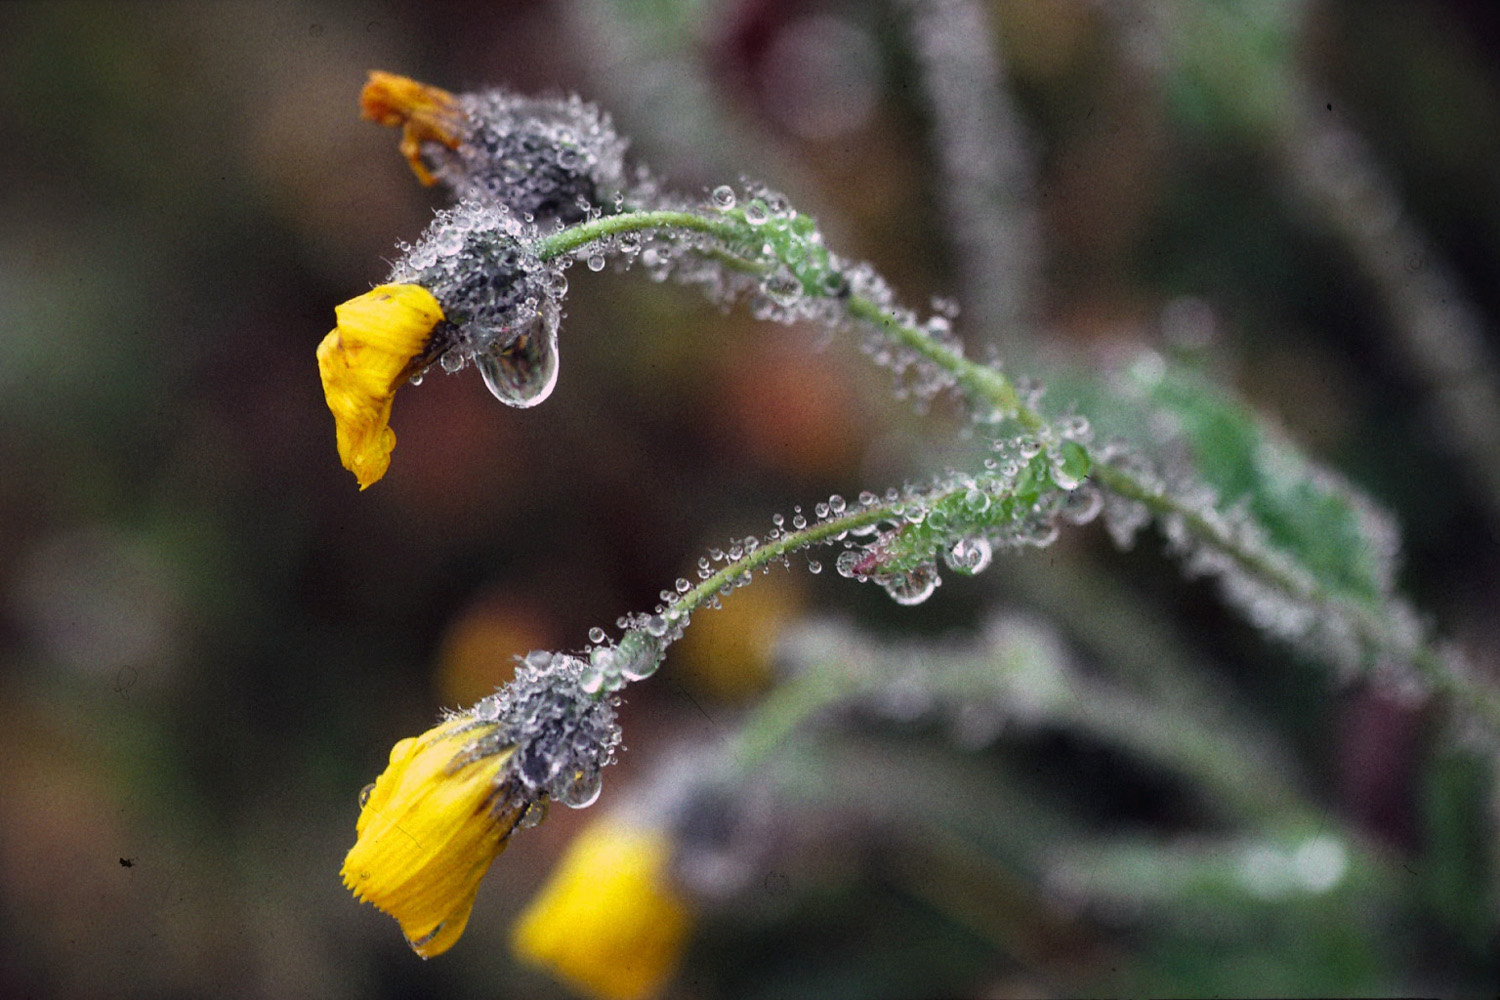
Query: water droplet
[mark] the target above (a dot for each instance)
(756, 212)
(1082, 505)
(656, 625)
(596, 635)
(581, 792)
(364, 794)
(723, 197)
(782, 287)
(532, 815)
(969, 555)
(599, 669)
(596, 262)
(523, 372)
(1075, 428)
(846, 562)
(536, 767)
(639, 654)
(452, 360)
(814, 567)
(912, 587)
(836, 504)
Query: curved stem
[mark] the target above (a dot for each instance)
(822, 533)
(992, 391)
(980, 382)
(582, 234)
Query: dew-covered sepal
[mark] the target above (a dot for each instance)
(564, 732)
(500, 302)
(470, 290)
(447, 803)
(549, 159)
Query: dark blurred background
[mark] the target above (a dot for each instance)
(209, 638)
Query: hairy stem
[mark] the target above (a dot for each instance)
(991, 391)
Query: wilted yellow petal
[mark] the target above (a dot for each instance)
(608, 921)
(427, 833)
(423, 113)
(363, 360)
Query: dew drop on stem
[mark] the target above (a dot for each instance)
(913, 586)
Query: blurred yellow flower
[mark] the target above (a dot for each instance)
(423, 113)
(728, 652)
(428, 830)
(608, 921)
(379, 341)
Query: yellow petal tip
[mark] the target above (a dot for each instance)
(379, 339)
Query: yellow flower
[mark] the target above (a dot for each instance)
(428, 830)
(608, 921)
(422, 112)
(382, 336)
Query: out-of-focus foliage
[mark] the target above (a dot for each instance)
(209, 639)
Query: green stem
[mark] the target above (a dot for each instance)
(980, 383)
(821, 533)
(991, 390)
(565, 241)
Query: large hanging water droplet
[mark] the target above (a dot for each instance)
(912, 587)
(522, 370)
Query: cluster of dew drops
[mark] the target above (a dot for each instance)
(777, 294)
(968, 548)
(512, 335)
(810, 284)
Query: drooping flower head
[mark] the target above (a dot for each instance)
(428, 829)
(550, 159)
(469, 290)
(448, 801)
(609, 920)
(424, 114)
